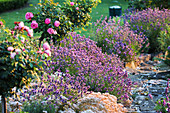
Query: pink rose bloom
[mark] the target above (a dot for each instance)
(30, 33)
(50, 30)
(56, 23)
(48, 52)
(77, 8)
(12, 32)
(28, 15)
(34, 24)
(26, 28)
(16, 27)
(10, 49)
(39, 51)
(22, 39)
(47, 20)
(55, 32)
(1, 23)
(12, 55)
(21, 24)
(71, 3)
(23, 49)
(46, 46)
(18, 51)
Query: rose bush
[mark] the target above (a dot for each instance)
(19, 59)
(55, 21)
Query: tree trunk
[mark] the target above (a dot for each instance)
(4, 105)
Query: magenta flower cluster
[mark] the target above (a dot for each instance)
(150, 22)
(81, 58)
(118, 39)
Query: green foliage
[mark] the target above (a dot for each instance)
(144, 4)
(49, 9)
(38, 107)
(164, 39)
(17, 70)
(11, 4)
(79, 12)
(68, 16)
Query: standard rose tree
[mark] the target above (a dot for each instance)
(20, 60)
(55, 21)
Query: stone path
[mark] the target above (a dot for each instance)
(152, 79)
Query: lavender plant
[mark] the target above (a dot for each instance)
(116, 37)
(81, 58)
(151, 22)
(54, 91)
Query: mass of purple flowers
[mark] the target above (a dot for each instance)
(118, 39)
(150, 22)
(85, 62)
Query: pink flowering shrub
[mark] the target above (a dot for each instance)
(78, 11)
(53, 25)
(19, 60)
(55, 21)
(115, 38)
(80, 57)
(151, 22)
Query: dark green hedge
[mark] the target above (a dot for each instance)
(11, 4)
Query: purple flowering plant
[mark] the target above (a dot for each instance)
(163, 104)
(151, 22)
(114, 36)
(57, 90)
(82, 59)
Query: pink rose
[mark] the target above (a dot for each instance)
(46, 46)
(1, 23)
(30, 33)
(47, 20)
(18, 51)
(10, 49)
(50, 30)
(21, 24)
(56, 23)
(12, 55)
(71, 3)
(26, 28)
(55, 32)
(48, 52)
(16, 27)
(34, 24)
(22, 39)
(77, 8)
(28, 15)
(39, 51)
(23, 49)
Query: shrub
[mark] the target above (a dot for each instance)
(19, 62)
(55, 21)
(50, 21)
(80, 57)
(116, 37)
(164, 39)
(11, 4)
(78, 13)
(144, 4)
(55, 92)
(151, 22)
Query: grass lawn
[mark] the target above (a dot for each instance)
(19, 14)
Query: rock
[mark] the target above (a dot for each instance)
(147, 105)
